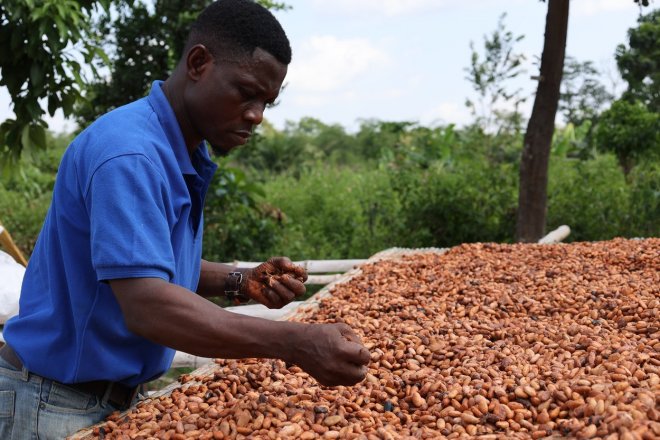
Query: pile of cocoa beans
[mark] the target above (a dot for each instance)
(484, 341)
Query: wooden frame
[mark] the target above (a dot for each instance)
(8, 243)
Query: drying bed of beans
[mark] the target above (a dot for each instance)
(485, 341)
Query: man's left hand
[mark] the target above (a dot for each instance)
(275, 283)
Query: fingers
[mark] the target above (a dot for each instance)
(294, 285)
(353, 351)
(264, 270)
(283, 293)
(333, 354)
(349, 334)
(273, 298)
(299, 272)
(350, 375)
(286, 266)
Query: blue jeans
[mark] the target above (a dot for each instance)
(33, 407)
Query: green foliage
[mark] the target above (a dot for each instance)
(467, 202)
(25, 195)
(144, 41)
(277, 151)
(302, 145)
(644, 187)
(639, 62)
(629, 130)
(572, 141)
(375, 137)
(337, 213)
(238, 224)
(23, 216)
(459, 191)
(42, 46)
(582, 96)
(590, 196)
(475, 143)
(490, 77)
(411, 145)
(599, 203)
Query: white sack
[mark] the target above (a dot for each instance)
(11, 278)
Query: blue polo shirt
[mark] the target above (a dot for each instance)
(127, 203)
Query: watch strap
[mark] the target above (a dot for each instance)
(233, 288)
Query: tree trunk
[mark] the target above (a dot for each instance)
(532, 198)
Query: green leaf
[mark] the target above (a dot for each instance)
(25, 138)
(68, 100)
(33, 108)
(53, 104)
(16, 40)
(36, 75)
(61, 28)
(38, 135)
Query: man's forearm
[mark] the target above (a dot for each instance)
(187, 322)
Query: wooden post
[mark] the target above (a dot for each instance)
(13, 250)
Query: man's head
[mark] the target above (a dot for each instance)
(234, 63)
(233, 29)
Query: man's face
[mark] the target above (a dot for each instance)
(229, 97)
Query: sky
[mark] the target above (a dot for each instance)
(405, 60)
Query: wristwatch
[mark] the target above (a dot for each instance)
(233, 288)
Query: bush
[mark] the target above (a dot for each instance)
(23, 215)
(466, 202)
(589, 196)
(25, 195)
(337, 213)
(630, 131)
(238, 224)
(437, 189)
(644, 218)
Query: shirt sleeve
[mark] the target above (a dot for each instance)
(128, 203)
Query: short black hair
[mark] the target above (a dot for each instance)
(232, 28)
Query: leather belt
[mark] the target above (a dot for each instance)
(119, 395)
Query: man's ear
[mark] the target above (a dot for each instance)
(197, 61)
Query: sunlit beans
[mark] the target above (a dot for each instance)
(497, 341)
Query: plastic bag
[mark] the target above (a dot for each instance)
(11, 278)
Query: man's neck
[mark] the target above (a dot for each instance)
(173, 89)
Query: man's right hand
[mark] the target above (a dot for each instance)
(331, 353)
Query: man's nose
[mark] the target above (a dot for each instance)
(255, 114)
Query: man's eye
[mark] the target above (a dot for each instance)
(246, 93)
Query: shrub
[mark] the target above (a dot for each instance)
(644, 218)
(466, 202)
(337, 213)
(630, 131)
(238, 224)
(589, 196)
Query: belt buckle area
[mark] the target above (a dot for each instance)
(122, 396)
(130, 396)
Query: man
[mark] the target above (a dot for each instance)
(108, 293)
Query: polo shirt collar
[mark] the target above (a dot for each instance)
(171, 127)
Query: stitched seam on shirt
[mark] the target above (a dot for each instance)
(82, 336)
(91, 177)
